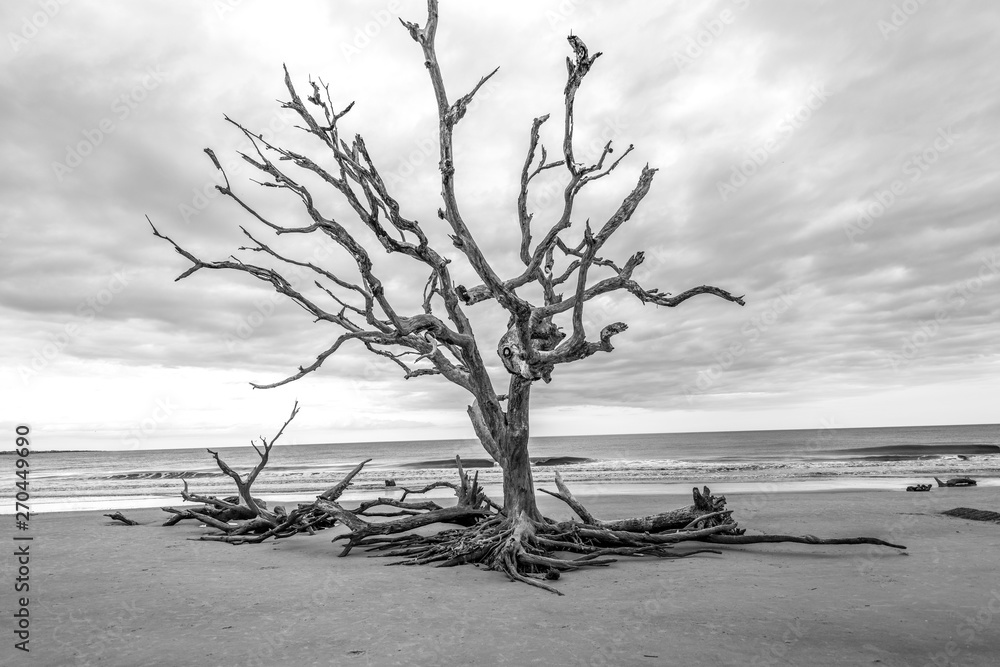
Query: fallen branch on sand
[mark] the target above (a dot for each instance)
(118, 516)
(956, 481)
(919, 487)
(220, 514)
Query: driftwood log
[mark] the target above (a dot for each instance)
(919, 487)
(118, 516)
(956, 481)
(245, 508)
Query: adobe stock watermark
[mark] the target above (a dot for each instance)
(957, 298)
(865, 562)
(901, 14)
(369, 30)
(566, 13)
(202, 197)
(822, 440)
(551, 190)
(914, 168)
(121, 108)
(653, 258)
(825, 436)
(373, 369)
(272, 644)
(695, 46)
(32, 25)
(619, 646)
(775, 653)
(426, 148)
(86, 311)
(740, 173)
(224, 7)
(265, 306)
(87, 642)
(161, 412)
(750, 332)
(599, 312)
(971, 628)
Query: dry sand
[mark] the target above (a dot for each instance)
(107, 594)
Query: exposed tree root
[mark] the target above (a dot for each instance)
(531, 550)
(535, 551)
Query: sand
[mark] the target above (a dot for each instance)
(107, 594)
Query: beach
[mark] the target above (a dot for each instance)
(109, 594)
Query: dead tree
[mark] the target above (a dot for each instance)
(561, 274)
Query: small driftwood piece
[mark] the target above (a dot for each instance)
(956, 481)
(118, 516)
(919, 487)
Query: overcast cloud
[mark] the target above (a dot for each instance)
(835, 162)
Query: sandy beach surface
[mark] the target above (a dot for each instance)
(108, 594)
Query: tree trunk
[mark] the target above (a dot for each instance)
(518, 485)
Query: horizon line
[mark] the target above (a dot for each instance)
(569, 435)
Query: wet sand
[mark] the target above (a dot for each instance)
(108, 594)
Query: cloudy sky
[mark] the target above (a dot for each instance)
(834, 161)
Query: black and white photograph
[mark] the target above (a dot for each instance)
(565, 332)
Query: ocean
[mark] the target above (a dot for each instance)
(884, 458)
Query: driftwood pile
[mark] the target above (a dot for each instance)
(479, 530)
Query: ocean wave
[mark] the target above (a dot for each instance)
(910, 452)
(560, 460)
(159, 474)
(470, 463)
(447, 464)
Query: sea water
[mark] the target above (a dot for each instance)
(882, 458)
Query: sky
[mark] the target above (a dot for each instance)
(833, 161)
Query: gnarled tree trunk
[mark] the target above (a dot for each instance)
(512, 441)
(518, 485)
